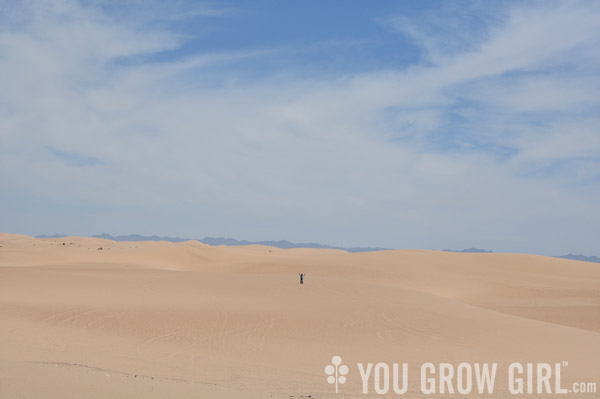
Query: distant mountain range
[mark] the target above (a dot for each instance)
(581, 257)
(471, 251)
(284, 244)
(137, 237)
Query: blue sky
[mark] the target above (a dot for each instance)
(403, 124)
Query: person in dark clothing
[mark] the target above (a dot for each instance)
(302, 278)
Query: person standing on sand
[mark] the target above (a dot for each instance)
(302, 278)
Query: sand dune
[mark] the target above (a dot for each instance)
(93, 318)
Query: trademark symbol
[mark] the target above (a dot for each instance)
(565, 364)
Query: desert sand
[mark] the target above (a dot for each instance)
(187, 320)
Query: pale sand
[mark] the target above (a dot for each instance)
(187, 320)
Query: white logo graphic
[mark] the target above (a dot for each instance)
(336, 372)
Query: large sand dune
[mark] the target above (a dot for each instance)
(187, 320)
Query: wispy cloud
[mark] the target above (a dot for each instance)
(454, 28)
(74, 159)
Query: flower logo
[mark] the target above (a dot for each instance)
(336, 372)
